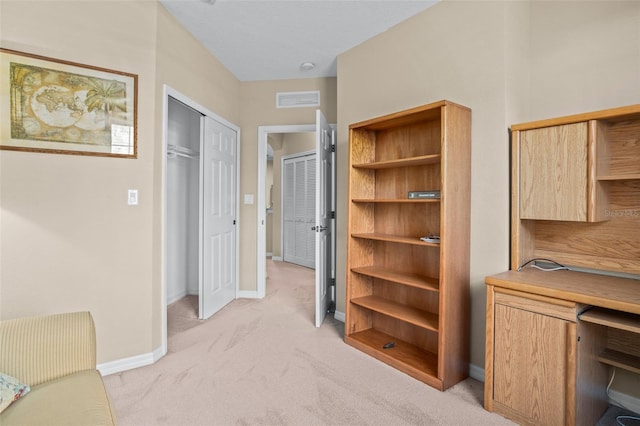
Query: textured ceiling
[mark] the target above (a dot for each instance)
(270, 39)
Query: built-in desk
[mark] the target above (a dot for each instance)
(550, 339)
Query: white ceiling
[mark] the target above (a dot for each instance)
(270, 39)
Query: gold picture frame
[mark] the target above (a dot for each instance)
(54, 106)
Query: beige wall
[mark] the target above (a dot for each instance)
(68, 240)
(509, 62)
(258, 105)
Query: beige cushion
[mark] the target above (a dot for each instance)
(76, 399)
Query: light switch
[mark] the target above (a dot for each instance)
(132, 197)
(248, 198)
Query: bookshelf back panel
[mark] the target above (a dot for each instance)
(406, 258)
(412, 140)
(406, 295)
(422, 338)
(408, 220)
(397, 182)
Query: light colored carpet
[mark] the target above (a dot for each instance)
(262, 362)
(182, 315)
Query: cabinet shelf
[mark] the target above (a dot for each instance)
(422, 160)
(405, 313)
(396, 200)
(395, 239)
(635, 176)
(413, 280)
(614, 319)
(405, 356)
(621, 360)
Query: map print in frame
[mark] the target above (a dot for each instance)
(47, 105)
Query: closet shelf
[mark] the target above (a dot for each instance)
(180, 151)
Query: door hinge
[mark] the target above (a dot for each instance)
(234, 221)
(333, 147)
(333, 215)
(333, 282)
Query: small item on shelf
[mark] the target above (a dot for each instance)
(424, 194)
(389, 345)
(431, 239)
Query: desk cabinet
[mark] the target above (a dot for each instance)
(534, 358)
(551, 337)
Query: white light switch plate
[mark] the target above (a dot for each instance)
(248, 198)
(132, 197)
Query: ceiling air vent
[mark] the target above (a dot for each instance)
(298, 99)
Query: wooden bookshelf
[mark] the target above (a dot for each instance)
(401, 289)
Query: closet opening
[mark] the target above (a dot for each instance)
(200, 230)
(182, 239)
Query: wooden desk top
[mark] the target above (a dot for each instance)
(622, 294)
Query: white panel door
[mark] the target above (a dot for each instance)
(218, 279)
(324, 220)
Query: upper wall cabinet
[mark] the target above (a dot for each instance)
(553, 172)
(576, 190)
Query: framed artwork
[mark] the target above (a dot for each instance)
(49, 105)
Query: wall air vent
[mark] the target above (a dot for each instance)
(298, 99)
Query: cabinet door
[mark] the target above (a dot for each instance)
(553, 173)
(533, 365)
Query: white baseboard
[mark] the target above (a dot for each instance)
(624, 400)
(339, 316)
(277, 258)
(246, 294)
(130, 363)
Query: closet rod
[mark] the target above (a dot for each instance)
(175, 150)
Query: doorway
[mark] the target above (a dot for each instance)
(325, 209)
(200, 235)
